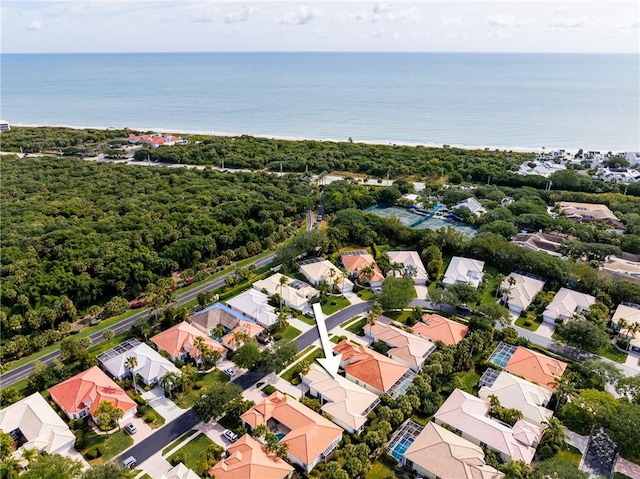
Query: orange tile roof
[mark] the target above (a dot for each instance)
(437, 328)
(247, 459)
(354, 263)
(180, 339)
(536, 367)
(369, 366)
(310, 433)
(252, 330)
(90, 388)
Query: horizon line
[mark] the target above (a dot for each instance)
(439, 52)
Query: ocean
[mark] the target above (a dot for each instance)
(489, 100)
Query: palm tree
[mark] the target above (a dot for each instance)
(240, 337)
(499, 279)
(29, 455)
(10, 468)
(260, 430)
(343, 276)
(189, 374)
(169, 382)
(131, 363)
(283, 321)
(333, 277)
(410, 271)
(282, 450)
(271, 443)
(374, 313)
(219, 331)
(108, 334)
(366, 273)
(201, 345)
(324, 289)
(283, 280)
(565, 389)
(553, 434)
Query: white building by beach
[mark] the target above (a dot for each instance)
(254, 305)
(4, 125)
(410, 260)
(473, 205)
(514, 392)
(33, 424)
(541, 168)
(464, 271)
(617, 175)
(344, 401)
(565, 304)
(519, 295)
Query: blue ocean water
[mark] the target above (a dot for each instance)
(495, 100)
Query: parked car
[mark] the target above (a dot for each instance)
(309, 314)
(229, 434)
(230, 372)
(130, 463)
(263, 338)
(130, 428)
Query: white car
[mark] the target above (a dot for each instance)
(229, 434)
(230, 372)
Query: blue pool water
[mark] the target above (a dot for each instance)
(280, 436)
(401, 448)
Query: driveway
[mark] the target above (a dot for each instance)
(143, 429)
(546, 330)
(422, 291)
(165, 407)
(214, 431)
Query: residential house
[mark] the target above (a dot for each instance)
(440, 454)
(179, 342)
(355, 261)
(412, 261)
(588, 212)
(438, 328)
(617, 175)
(469, 416)
(547, 243)
(565, 304)
(630, 313)
(254, 305)
(248, 459)
(516, 393)
(373, 371)
(231, 322)
(474, 206)
(180, 471)
(406, 348)
(518, 291)
(309, 436)
(541, 168)
(156, 140)
(80, 395)
(151, 366)
(625, 267)
(536, 367)
(294, 293)
(34, 424)
(317, 270)
(346, 403)
(464, 271)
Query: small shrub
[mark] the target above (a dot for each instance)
(93, 452)
(80, 439)
(150, 417)
(269, 389)
(528, 322)
(198, 385)
(179, 363)
(176, 459)
(277, 336)
(147, 388)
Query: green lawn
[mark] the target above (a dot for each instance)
(192, 451)
(188, 400)
(570, 454)
(357, 327)
(159, 420)
(106, 345)
(612, 353)
(400, 316)
(619, 475)
(306, 319)
(488, 292)
(534, 324)
(470, 379)
(366, 295)
(178, 441)
(349, 321)
(288, 374)
(290, 333)
(304, 352)
(340, 303)
(382, 468)
(111, 447)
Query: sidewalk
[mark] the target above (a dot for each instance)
(157, 465)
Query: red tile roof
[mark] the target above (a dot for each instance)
(438, 328)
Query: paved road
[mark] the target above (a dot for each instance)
(17, 374)
(173, 430)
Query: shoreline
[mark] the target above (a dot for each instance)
(517, 149)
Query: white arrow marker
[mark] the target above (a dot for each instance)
(330, 362)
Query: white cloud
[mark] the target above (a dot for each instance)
(447, 20)
(37, 25)
(410, 15)
(347, 15)
(378, 33)
(241, 15)
(301, 16)
(379, 8)
(568, 23)
(501, 21)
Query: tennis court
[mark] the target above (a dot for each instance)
(407, 217)
(437, 223)
(402, 439)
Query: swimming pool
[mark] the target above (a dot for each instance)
(280, 436)
(402, 439)
(502, 354)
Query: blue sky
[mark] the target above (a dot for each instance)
(30, 26)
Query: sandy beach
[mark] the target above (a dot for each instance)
(571, 150)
